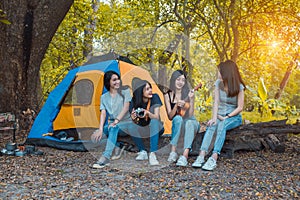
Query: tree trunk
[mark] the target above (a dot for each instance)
(23, 44)
(284, 80)
(165, 57)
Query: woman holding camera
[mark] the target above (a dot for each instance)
(114, 107)
(179, 101)
(144, 109)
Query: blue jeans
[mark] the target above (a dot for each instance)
(121, 129)
(191, 126)
(221, 127)
(154, 130)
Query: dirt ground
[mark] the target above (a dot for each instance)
(60, 174)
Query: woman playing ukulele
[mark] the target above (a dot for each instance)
(179, 102)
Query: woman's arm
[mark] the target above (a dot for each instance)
(121, 114)
(215, 107)
(97, 135)
(102, 119)
(192, 103)
(170, 112)
(154, 115)
(240, 105)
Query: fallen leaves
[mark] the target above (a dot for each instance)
(62, 174)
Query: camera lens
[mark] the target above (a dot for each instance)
(141, 114)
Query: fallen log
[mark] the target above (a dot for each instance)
(255, 137)
(249, 137)
(263, 129)
(275, 144)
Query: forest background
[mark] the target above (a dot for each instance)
(41, 40)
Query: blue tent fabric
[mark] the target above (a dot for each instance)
(44, 121)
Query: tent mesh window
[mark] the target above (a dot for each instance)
(81, 93)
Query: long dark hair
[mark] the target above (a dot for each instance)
(138, 91)
(107, 78)
(231, 77)
(185, 89)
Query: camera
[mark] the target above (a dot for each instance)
(140, 112)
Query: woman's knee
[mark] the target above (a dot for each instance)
(155, 122)
(177, 119)
(192, 125)
(189, 124)
(235, 122)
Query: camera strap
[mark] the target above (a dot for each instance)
(148, 108)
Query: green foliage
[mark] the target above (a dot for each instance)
(69, 46)
(255, 117)
(270, 108)
(3, 18)
(263, 34)
(262, 90)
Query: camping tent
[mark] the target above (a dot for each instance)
(74, 105)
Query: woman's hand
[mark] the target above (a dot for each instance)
(114, 123)
(220, 117)
(146, 112)
(133, 114)
(191, 94)
(212, 122)
(180, 103)
(97, 135)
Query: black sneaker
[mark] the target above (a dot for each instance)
(101, 163)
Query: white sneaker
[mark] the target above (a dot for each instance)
(182, 161)
(210, 164)
(199, 162)
(142, 155)
(152, 159)
(172, 157)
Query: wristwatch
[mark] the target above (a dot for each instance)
(228, 115)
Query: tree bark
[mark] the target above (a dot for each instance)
(165, 57)
(254, 137)
(285, 80)
(23, 44)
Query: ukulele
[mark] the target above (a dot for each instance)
(181, 111)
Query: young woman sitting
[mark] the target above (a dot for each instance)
(144, 109)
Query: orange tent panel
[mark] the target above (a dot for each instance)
(128, 72)
(87, 114)
(75, 114)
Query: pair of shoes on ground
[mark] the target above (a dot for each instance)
(101, 163)
(209, 165)
(143, 155)
(118, 153)
(182, 161)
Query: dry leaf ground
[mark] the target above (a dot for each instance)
(60, 174)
